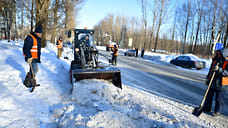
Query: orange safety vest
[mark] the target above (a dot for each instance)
(60, 45)
(224, 78)
(115, 50)
(34, 49)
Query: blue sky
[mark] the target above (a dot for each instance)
(95, 10)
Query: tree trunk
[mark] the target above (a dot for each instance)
(226, 35)
(22, 22)
(197, 30)
(55, 22)
(159, 25)
(42, 18)
(32, 15)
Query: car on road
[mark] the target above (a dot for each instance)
(188, 61)
(130, 52)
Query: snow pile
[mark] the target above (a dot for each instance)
(98, 103)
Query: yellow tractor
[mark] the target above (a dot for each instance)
(85, 64)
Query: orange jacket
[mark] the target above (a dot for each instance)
(115, 52)
(34, 49)
(224, 78)
(59, 44)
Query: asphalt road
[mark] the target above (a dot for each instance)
(164, 80)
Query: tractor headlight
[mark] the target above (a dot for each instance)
(77, 49)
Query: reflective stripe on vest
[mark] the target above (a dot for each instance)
(60, 44)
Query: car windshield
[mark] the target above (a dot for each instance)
(82, 35)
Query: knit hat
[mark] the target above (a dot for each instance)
(38, 30)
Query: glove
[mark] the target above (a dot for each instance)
(29, 60)
(215, 68)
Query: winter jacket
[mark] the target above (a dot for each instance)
(220, 81)
(115, 52)
(59, 44)
(32, 48)
(85, 42)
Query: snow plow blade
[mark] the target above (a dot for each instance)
(112, 74)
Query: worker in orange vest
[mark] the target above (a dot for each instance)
(219, 83)
(59, 44)
(114, 55)
(32, 52)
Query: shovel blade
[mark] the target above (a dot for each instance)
(111, 74)
(197, 111)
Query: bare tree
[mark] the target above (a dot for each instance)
(144, 18)
(154, 13)
(71, 8)
(55, 13)
(42, 11)
(8, 12)
(187, 12)
(199, 14)
(171, 43)
(163, 8)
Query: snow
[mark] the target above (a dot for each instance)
(92, 103)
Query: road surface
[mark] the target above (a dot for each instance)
(164, 79)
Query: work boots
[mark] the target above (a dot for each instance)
(28, 81)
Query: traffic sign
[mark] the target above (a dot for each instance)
(218, 46)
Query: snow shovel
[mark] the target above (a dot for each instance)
(34, 84)
(198, 110)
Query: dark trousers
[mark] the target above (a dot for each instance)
(219, 100)
(114, 59)
(142, 54)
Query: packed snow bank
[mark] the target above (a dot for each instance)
(98, 103)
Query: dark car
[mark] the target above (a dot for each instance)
(130, 52)
(188, 62)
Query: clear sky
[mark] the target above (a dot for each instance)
(94, 11)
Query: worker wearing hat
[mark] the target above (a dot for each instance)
(32, 52)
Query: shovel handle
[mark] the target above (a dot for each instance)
(209, 86)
